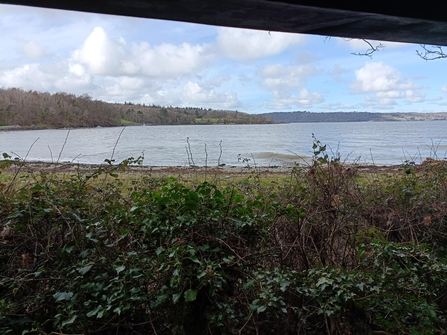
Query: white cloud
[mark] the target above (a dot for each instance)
(278, 77)
(168, 60)
(200, 95)
(377, 77)
(304, 99)
(444, 89)
(385, 85)
(31, 49)
(49, 78)
(26, 76)
(102, 55)
(244, 44)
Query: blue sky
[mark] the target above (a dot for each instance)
(118, 59)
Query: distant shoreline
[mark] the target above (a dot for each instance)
(25, 128)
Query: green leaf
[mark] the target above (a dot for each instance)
(85, 269)
(176, 297)
(94, 311)
(190, 295)
(118, 269)
(201, 274)
(59, 296)
(70, 321)
(261, 309)
(194, 259)
(159, 250)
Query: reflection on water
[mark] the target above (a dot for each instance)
(365, 142)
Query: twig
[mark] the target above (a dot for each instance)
(220, 155)
(51, 154)
(190, 152)
(431, 53)
(206, 157)
(116, 143)
(20, 167)
(62, 149)
(372, 49)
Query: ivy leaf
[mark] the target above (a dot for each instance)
(176, 297)
(190, 295)
(70, 321)
(201, 274)
(59, 296)
(118, 269)
(85, 269)
(94, 311)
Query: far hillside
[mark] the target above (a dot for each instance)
(304, 116)
(34, 110)
(157, 115)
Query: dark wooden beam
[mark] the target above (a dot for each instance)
(423, 23)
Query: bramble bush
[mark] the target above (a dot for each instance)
(328, 251)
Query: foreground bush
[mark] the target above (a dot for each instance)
(327, 252)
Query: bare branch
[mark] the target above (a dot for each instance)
(431, 52)
(371, 48)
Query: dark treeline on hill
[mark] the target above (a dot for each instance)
(31, 109)
(295, 117)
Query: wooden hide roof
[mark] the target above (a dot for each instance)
(413, 22)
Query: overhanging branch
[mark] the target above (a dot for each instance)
(432, 52)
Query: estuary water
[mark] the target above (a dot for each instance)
(381, 143)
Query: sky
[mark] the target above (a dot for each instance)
(168, 63)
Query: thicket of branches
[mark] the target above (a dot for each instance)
(27, 108)
(327, 251)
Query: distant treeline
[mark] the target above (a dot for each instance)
(295, 117)
(31, 109)
(158, 115)
(45, 110)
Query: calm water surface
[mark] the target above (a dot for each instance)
(365, 142)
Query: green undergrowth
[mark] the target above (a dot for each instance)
(320, 252)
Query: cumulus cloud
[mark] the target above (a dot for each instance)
(26, 76)
(196, 94)
(49, 78)
(377, 77)
(243, 44)
(100, 54)
(284, 81)
(103, 55)
(444, 89)
(304, 99)
(167, 60)
(279, 78)
(384, 84)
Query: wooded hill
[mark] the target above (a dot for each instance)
(157, 115)
(296, 117)
(31, 109)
